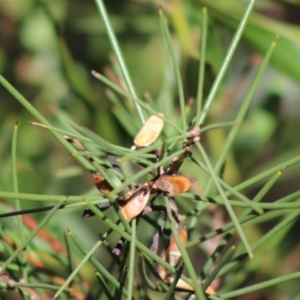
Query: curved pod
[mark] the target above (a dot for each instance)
(150, 131)
(136, 203)
(173, 184)
(172, 254)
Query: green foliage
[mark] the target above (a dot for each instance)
(224, 65)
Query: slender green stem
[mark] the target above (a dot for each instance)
(64, 132)
(218, 125)
(17, 201)
(67, 242)
(189, 266)
(289, 218)
(119, 56)
(226, 202)
(7, 248)
(162, 286)
(33, 234)
(246, 212)
(261, 286)
(139, 245)
(228, 227)
(30, 108)
(52, 198)
(141, 103)
(144, 276)
(98, 140)
(252, 181)
(170, 292)
(77, 269)
(227, 59)
(131, 260)
(277, 205)
(176, 69)
(261, 194)
(218, 267)
(104, 287)
(13, 284)
(123, 270)
(99, 267)
(124, 222)
(202, 56)
(241, 114)
(265, 206)
(230, 189)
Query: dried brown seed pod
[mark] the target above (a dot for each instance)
(136, 203)
(173, 184)
(102, 185)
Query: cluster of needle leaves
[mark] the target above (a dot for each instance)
(35, 262)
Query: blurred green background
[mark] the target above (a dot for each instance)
(48, 48)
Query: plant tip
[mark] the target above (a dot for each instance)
(95, 74)
(34, 123)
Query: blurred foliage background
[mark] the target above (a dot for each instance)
(47, 49)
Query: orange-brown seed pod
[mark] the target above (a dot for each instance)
(136, 203)
(173, 184)
(150, 131)
(172, 254)
(103, 187)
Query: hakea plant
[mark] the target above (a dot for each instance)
(155, 187)
(133, 201)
